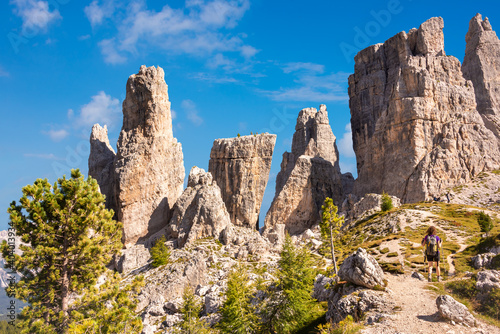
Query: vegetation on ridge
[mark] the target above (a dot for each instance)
(71, 238)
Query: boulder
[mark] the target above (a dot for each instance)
(370, 204)
(132, 258)
(308, 175)
(357, 302)
(101, 160)
(487, 280)
(418, 276)
(321, 290)
(482, 260)
(362, 269)
(241, 167)
(481, 66)
(149, 166)
(450, 309)
(200, 211)
(412, 108)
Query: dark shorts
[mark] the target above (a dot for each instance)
(433, 258)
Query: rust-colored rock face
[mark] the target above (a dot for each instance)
(415, 126)
(240, 166)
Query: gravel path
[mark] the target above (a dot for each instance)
(418, 313)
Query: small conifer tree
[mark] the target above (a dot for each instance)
(290, 304)
(238, 314)
(330, 227)
(160, 253)
(386, 202)
(485, 222)
(190, 310)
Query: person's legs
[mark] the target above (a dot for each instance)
(438, 270)
(430, 269)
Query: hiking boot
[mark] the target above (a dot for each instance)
(439, 278)
(429, 279)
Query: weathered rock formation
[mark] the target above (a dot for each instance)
(482, 67)
(199, 212)
(488, 280)
(241, 166)
(359, 303)
(457, 312)
(362, 269)
(148, 172)
(416, 130)
(101, 159)
(308, 175)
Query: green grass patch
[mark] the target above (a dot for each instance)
(392, 254)
(393, 268)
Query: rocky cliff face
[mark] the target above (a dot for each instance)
(148, 173)
(308, 175)
(482, 66)
(200, 212)
(241, 166)
(101, 160)
(415, 126)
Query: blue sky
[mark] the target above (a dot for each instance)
(232, 66)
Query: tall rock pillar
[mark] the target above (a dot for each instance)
(241, 167)
(149, 166)
(308, 175)
(482, 67)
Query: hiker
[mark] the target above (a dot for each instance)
(432, 244)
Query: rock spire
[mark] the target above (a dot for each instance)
(241, 167)
(308, 175)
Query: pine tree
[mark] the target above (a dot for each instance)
(290, 304)
(386, 202)
(190, 310)
(108, 308)
(238, 314)
(330, 227)
(160, 253)
(71, 237)
(485, 222)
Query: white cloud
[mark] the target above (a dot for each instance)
(191, 112)
(49, 156)
(173, 113)
(102, 109)
(84, 37)
(57, 135)
(110, 53)
(220, 61)
(97, 13)
(200, 28)
(313, 87)
(36, 15)
(311, 67)
(348, 167)
(209, 77)
(248, 51)
(345, 143)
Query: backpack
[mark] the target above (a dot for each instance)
(432, 245)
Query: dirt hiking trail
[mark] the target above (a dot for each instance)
(415, 306)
